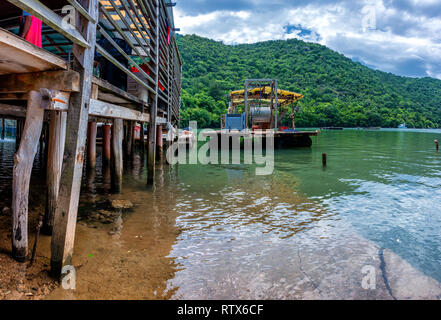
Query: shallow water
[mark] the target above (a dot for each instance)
(220, 231)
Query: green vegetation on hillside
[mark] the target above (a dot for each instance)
(338, 91)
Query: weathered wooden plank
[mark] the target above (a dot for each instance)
(63, 236)
(117, 159)
(53, 20)
(68, 81)
(109, 110)
(57, 138)
(109, 89)
(13, 111)
(20, 56)
(23, 162)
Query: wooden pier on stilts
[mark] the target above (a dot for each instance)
(57, 87)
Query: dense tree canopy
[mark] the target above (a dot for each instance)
(337, 90)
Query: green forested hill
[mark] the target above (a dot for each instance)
(338, 91)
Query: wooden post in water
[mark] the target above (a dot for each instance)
(92, 133)
(129, 141)
(21, 177)
(3, 128)
(18, 132)
(57, 139)
(117, 159)
(159, 144)
(154, 105)
(67, 208)
(106, 143)
(91, 141)
(142, 141)
(324, 159)
(436, 145)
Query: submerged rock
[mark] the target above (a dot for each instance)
(122, 204)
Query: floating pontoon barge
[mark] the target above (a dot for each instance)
(264, 106)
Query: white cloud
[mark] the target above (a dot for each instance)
(400, 39)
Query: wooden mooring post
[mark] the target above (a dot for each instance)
(23, 162)
(436, 145)
(57, 138)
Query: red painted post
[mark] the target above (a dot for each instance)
(106, 143)
(91, 140)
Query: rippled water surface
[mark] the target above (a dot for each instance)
(220, 231)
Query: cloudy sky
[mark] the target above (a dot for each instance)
(398, 36)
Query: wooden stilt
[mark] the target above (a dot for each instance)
(3, 128)
(142, 139)
(18, 132)
(91, 149)
(151, 157)
(159, 144)
(129, 141)
(66, 213)
(153, 99)
(57, 138)
(106, 143)
(23, 161)
(117, 159)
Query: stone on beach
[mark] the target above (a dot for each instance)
(122, 204)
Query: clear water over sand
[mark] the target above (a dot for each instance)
(220, 231)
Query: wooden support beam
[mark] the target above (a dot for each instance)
(153, 108)
(57, 138)
(129, 141)
(23, 162)
(159, 144)
(68, 81)
(91, 141)
(12, 111)
(63, 235)
(107, 143)
(19, 131)
(3, 128)
(117, 159)
(108, 110)
(142, 140)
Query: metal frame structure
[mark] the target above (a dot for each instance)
(258, 83)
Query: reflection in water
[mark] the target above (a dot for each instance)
(220, 231)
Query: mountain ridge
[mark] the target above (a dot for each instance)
(337, 90)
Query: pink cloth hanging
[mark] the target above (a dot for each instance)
(34, 33)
